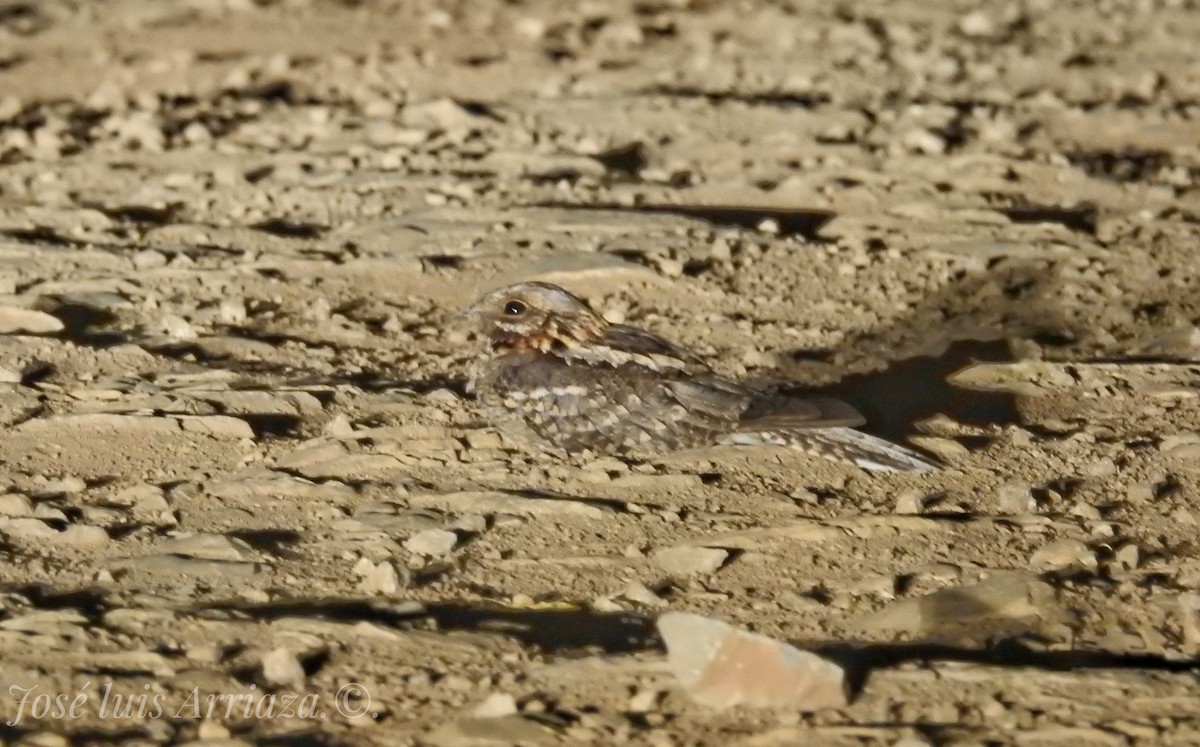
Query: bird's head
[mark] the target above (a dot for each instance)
(534, 316)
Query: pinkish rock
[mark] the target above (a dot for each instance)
(721, 666)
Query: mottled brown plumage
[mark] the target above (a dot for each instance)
(558, 371)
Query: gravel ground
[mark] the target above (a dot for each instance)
(238, 458)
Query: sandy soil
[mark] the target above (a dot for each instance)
(238, 458)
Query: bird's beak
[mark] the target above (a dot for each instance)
(477, 309)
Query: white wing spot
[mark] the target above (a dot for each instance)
(568, 391)
(543, 392)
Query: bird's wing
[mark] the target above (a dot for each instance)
(772, 412)
(697, 388)
(841, 444)
(623, 345)
(624, 408)
(637, 340)
(691, 383)
(710, 397)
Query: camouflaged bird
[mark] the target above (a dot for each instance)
(559, 370)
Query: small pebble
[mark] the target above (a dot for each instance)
(495, 705)
(431, 542)
(281, 667)
(1063, 554)
(689, 561)
(720, 667)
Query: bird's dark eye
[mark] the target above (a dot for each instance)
(514, 308)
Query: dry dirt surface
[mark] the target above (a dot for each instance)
(238, 458)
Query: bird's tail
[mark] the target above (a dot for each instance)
(843, 445)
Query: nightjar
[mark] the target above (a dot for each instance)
(558, 371)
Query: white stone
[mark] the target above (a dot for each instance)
(14, 320)
(281, 667)
(720, 666)
(689, 561)
(431, 542)
(204, 546)
(495, 705)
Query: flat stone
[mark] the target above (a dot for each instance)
(479, 732)
(659, 482)
(1016, 498)
(137, 620)
(148, 259)
(977, 24)
(605, 222)
(136, 494)
(105, 422)
(388, 517)
(26, 530)
(82, 535)
(70, 485)
(543, 165)
(484, 440)
(496, 705)
(645, 701)
(263, 403)
(1189, 611)
(355, 467)
(1190, 451)
(14, 320)
(432, 542)
(910, 502)
(439, 114)
(1126, 558)
(152, 505)
(473, 523)
(382, 578)
(276, 484)
(1181, 342)
(1063, 554)
(169, 565)
(316, 451)
(177, 328)
(218, 426)
(46, 512)
(689, 561)
(15, 504)
(495, 502)
(98, 300)
(825, 530)
(638, 592)
(339, 427)
(281, 667)
(237, 348)
(1048, 736)
(1023, 378)
(203, 546)
(577, 270)
(145, 662)
(414, 446)
(1004, 601)
(720, 666)
(47, 622)
(45, 739)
